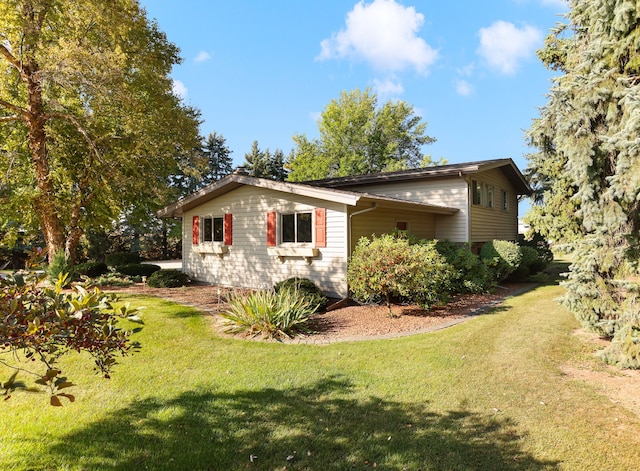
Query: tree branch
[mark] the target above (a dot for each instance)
(6, 53)
(16, 109)
(79, 127)
(6, 119)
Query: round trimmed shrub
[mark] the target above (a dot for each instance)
(91, 269)
(305, 288)
(469, 273)
(137, 269)
(117, 259)
(502, 257)
(168, 279)
(527, 265)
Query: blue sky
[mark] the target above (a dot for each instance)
(265, 70)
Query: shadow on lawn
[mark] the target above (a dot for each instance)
(314, 426)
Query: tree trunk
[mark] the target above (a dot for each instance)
(45, 201)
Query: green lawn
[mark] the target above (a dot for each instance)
(486, 394)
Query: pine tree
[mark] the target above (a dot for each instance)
(219, 159)
(587, 170)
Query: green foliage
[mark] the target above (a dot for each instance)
(502, 257)
(88, 114)
(43, 324)
(264, 164)
(91, 269)
(112, 279)
(60, 265)
(469, 273)
(357, 137)
(268, 314)
(305, 288)
(137, 269)
(168, 279)
(587, 168)
(121, 258)
(529, 264)
(388, 267)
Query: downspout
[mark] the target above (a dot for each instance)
(469, 199)
(349, 223)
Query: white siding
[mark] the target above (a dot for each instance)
(450, 192)
(247, 263)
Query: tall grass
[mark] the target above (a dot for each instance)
(486, 394)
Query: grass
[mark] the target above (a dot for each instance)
(486, 394)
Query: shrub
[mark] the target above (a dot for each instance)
(469, 273)
(168, 279)
(268, 314)
(387, 267)
(112, 279)
(137, 269)
(502, 257)
(305, 288)
(60, 265)
(117, 259)
(91, 269)
(528, 264)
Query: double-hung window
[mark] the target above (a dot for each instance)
(213, 229)
(476, 192)
(296, 228)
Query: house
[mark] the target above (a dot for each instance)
(252, 232)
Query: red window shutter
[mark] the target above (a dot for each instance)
(271, 229)
(228, 229)
(321, 227)
(195, 230)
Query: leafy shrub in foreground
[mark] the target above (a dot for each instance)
(91, 269)
(469, 273)
(168, 279)
(502, 257)
(268, 314)
(305, 288)
(60, 265)
(137, 269)
(387, 267)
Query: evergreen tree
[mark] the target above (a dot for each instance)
(219, 159)
(264, 164)
(587, 170)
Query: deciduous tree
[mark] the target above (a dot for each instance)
(89, 123)
(358, 137)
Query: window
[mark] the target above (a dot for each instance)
(505, 200)
(296, 228)
(402, 225)
(476, 192)
(213, 229)
(489, 196)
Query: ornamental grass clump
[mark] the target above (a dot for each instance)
(268, 314)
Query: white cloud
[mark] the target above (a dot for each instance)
(179, 89)
(384, 34)
(203, 56)
(464, 88)
(387, 88)
(504, 46)
(467, 70)
(556, 3)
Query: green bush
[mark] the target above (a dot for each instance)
(117, 259)
(387, 267)
(60, 265)
(168, 279)
(137, 269)
(306, 288)
(268, 314)
(91, 269)
(112, 279)
(502, 257)
(469, 273)
(528, 264)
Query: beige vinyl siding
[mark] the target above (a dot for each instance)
(494, 223)
(383, 221)
(247, 263)
(450, 192)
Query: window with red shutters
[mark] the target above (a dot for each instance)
(271, 229)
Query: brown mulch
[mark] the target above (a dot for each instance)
(352, 322)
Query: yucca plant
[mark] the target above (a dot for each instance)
(268, 314)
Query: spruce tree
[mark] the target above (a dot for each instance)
(587, 170)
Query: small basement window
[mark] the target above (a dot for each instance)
(296, 228)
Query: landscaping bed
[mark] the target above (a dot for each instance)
(351, 322)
